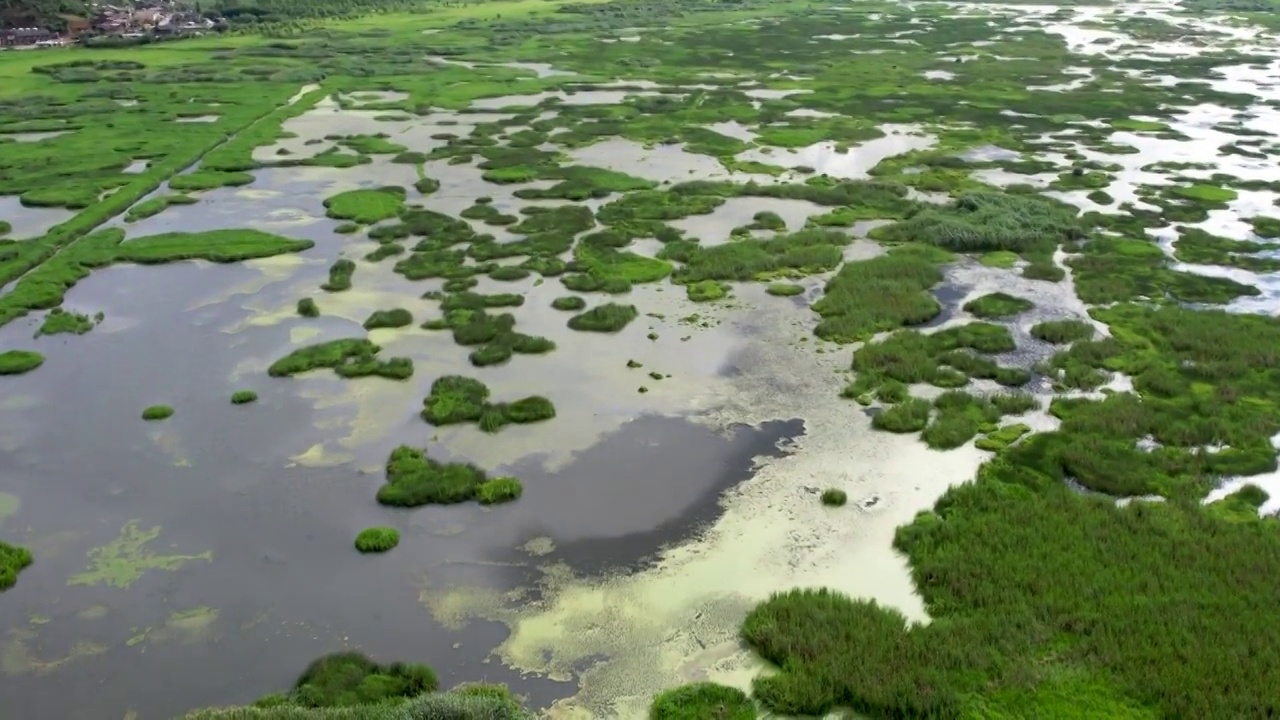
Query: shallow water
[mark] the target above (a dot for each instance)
(30, 222)
(826, 159)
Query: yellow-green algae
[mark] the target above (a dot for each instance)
(122, 561)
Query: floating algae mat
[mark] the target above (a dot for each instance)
(577, 312)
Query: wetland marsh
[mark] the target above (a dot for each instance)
(780, 357)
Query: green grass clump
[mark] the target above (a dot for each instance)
(987, 221)
(350, 358)
(413, 479)
(241, 397)
(999, 259)
(308, 308)
(157, 412)
(947, 358)
(1002, 438)
(339, 275)
(499, 490)
(702, 701)
(802, 253)
(832, 497)
(782, 289)
(707, 290)
(366, 206)
(62, 321)
(17, 362)
(377, 539)
(5, 228)
(395, 318)
(456, 399)
(1061, 332)
(875, 295)
(997, 305)
(12, 560)
(1014, 403)
(609, 317)
(568, 302)
(348, 679)
(910, 415)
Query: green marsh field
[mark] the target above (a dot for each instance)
(645, 359)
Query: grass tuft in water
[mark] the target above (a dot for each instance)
(157, 412)
(377, 539)
(242, 397)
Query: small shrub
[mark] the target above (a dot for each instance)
(609, 317)
(1060, 332)
(240, 397)
(157, 412)
(499, 490)
(782, 289)
(707, 290)
(377, 539)
(702, 701)
(396, 318)
(308, 308)
(346, 679)
(568, 302)
(910, 415)
(832, 497)
(12, 560)
(997, 305)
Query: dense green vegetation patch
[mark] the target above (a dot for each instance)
(879, 294)
(339, 276)
(569, 302)
(983, 222)
(157, 412)
(802, 253)
(12, 560)
(1061, 332)
(456, 399)
(366, 206)
(349, 358)
(243, 397)
(156, 205)
(17, 362)
(377, 540)
(609, 318)
(60, 321)
(394, 318)
(413, 479)
(996, 305)
(702, 701)
(347, 679)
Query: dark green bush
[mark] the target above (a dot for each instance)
(308, 308)
(17, 362)
(568, 302)
(377, 539)
(1061, 332)
(157, 412)
(609, 317)
(395, 318)
(702, 701)
(832, 497)
(241, 397)
(12, 560)
(345, 679)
